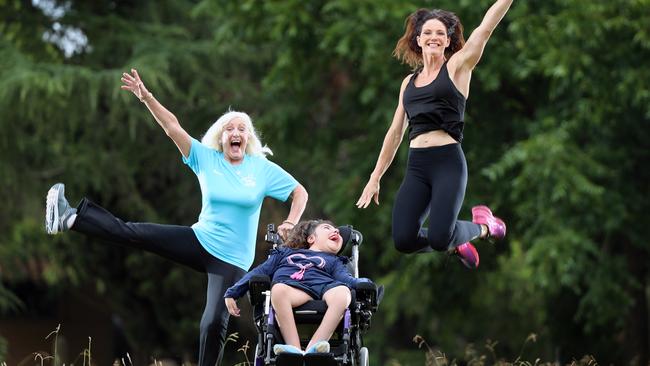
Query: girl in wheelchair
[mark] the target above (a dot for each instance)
(307, 267)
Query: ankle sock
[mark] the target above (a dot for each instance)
(70, 221)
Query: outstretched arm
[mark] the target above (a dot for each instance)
(267, 268)
(392, 140)
(341, 273)
(471, 53)
(164, 117)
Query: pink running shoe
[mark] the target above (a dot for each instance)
(468, 255)
(496, 227)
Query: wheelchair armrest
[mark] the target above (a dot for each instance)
(366, 287)
(369, 293)
(257, 285)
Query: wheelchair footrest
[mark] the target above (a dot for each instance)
(320, 359)
(289, 359)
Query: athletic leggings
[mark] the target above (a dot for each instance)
(434, 185)
(179, 244)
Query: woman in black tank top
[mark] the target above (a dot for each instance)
(432, 105)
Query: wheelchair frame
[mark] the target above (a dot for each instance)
(356, 320)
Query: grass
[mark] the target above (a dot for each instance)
(473, 357)
(432, 357)
(41, 357)
(243, 349)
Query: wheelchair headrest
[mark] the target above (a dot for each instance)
(350, 236)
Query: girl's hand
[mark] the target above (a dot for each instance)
(370, 193)
(134, 84)
(231, 304)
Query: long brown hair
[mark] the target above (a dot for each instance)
(298, 236)
(407, 49)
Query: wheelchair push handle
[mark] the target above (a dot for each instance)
(272, 237)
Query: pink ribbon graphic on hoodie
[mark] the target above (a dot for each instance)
(300, 274)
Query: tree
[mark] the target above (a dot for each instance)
(554, 140)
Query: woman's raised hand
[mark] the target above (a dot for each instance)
(134, 84)
(370, 193)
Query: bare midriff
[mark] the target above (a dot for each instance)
(432, 138)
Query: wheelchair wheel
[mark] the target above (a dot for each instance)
(364, 358)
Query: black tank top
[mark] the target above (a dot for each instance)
(436, 106)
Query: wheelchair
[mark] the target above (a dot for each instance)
(346, 344)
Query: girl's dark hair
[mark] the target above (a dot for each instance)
(298, 235)
(407, 49)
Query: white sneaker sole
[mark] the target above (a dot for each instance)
(52, 210)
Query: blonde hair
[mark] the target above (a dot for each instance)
(212, 137)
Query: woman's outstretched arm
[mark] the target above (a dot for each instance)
(392, 141)
(164, 117)
(471, 53)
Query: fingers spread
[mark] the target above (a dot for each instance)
(127, 80)
(364, 201)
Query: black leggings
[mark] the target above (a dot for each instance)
(179, 244)
(434, 185)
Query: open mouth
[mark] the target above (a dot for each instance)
(335, 237)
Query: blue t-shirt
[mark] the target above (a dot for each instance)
(232, 197)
